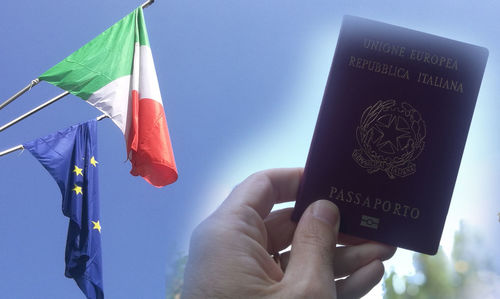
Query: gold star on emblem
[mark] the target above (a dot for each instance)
(77, 189)
(93, 161)
(97, 225)
(78, 171)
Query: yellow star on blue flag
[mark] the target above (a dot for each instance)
(97, 225)
(93, 161)
(78, 170)
(77, 189)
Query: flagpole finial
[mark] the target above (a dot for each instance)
(147, 3)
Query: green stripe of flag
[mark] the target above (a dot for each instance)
(105, 58)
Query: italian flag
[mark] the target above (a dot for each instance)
(115, 73)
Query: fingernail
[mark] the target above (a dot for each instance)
(326, 211)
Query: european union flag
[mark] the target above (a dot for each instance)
(70, 156)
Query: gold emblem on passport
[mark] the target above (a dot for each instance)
(390, 137)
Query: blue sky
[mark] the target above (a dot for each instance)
(242, 82)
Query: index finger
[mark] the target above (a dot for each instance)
(263, 189)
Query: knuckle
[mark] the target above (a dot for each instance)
(261, 180)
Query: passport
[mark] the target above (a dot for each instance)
(391, 132)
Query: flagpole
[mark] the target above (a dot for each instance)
(147, 3)
(20, 93)
(20, 146)
(101, 117)
(51, 101)
(10, 150)
(36, 109)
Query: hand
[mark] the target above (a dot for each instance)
(231, 251)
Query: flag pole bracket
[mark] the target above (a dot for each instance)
(20, 93)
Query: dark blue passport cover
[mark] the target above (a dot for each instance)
(391, 132)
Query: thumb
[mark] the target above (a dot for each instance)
(313, 245)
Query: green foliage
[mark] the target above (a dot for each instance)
(433, 279)
(444, 277)
(174, 284)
